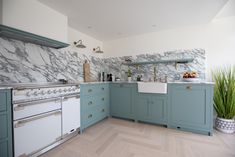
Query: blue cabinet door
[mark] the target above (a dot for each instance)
(158, 109)
(190, 107)
(121, 102)
(6, 143)
(142, 106)
(151, 108)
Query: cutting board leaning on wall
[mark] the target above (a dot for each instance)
(86, 71)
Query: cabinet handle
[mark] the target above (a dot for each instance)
(102, 99)
(90, 103)
(189, 87)
(103, 110)
(90, 116)
(89, 90)
(102, 88)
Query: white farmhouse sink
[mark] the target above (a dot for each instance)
(152, 87)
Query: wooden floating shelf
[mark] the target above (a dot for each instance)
(176, 61)
(17, 34)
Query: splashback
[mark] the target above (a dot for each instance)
(22, 62)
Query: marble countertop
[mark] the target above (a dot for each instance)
(176, 82)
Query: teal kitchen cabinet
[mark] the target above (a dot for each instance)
(151, 108)
(6, 144)
(121, 100)
(94, 103)
(191, 107)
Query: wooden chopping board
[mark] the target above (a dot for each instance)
(86, 71)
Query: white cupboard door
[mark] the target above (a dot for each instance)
(70, 114)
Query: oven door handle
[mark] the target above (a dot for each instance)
(20, 106)
(65, 98)
(23, 122)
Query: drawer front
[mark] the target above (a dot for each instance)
(89, 117)
(3, 101)
(102, 111)
(88, 90)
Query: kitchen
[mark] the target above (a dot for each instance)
(116, 78)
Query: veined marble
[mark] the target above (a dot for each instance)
(22, 62)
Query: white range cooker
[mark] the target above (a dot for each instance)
(44, 116)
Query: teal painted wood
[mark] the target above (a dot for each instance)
(190, 107)
(94, 103)
(121, 100)
(179, 61)
(151, 108)
(17, 34)
(6, 144)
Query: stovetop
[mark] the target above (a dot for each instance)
(38, 85)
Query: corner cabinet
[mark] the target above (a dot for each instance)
(151, 108)
(6, 144)
(121, 100)
(94, 103)
(191, 107)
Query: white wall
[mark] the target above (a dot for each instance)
(89, 42)
(35, 17)
(217, 38)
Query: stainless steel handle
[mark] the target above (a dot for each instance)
(77, 96)
(20, 106)
(23, 122)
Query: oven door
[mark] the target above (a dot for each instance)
(37, 132)
(31, 108)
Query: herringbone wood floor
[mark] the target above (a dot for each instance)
(121, 138)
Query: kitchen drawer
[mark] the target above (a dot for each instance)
(89, 116)
(102, 111)
(102, 89)
(88, 89)
(3, 101)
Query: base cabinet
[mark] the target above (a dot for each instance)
(190, 107)
(151, 108)
(6, 144)
(94, 103)
(121, 100)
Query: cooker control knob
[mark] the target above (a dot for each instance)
(42, 93)
(49, 92)
(65, 90)
(55, 91)
(60, 90)
(35, 93)
(28, 93)
(69, 89)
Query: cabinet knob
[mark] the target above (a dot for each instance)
(90, 103)
(90, 116)
(89, 90)
(103, 110)
(102, 88)
(102, 99)
(189, 87)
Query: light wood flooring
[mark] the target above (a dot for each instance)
(120, 138)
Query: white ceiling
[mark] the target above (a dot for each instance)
(111, 19)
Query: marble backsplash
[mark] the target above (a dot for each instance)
(24, 62)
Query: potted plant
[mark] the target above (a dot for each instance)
(224, 99)
(129, 75)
